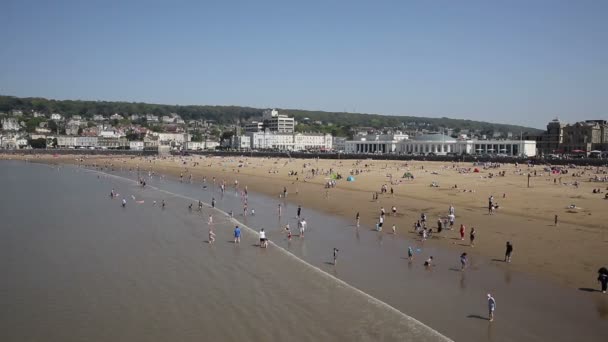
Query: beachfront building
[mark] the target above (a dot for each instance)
(268, 140)
(585, 136)
(511, 148)
(374, 143)
(172, 139)
(240, 142)
(112, 142)
(438, 144)
(441, 145)
(136, 145)
(312, 141)
(85, 141)
(201, 145)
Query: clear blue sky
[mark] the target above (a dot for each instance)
(520, 62)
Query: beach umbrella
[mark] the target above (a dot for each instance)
(578, 151)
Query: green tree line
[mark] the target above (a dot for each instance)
(341, 122)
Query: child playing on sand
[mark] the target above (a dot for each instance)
(211, 236)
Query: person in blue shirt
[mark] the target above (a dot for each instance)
(237, 234)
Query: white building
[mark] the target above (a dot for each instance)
(66, 141)
(374, 143)
(109, 133)
(240, 142)
(314, 141)
(56, 117)
(116, 116)
(289, 141)
(151, 118)
(276, 122)
(98, 117)
(173, 139)
(136, 145)
(439, 144)
(10, 124)
(201, 145)
(21, 142)
(85, 141)
(526, 148)
(37, 114)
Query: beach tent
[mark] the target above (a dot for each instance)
(350, 179)
(408, 175)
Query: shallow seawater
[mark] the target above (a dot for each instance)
(77, 266)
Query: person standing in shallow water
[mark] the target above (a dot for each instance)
(472, 236)
(508, 252)
(491, 307)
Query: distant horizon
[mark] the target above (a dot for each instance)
(273, 107)
(518, 62)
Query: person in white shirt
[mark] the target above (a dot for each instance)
(302, 224)
(263, 240)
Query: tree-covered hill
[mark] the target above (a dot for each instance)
(336, 122)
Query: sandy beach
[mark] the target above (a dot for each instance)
(569, 253)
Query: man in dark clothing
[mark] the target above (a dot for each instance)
(508, 252)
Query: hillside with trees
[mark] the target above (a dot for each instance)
(337, 123)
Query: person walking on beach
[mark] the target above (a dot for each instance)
(280, 210)
(463, 261)
(603, 278)
(210, 221)
(335, 255)
(124, 203)
(299, 211)
(263, 240)
(394, 230)
(213, 202)
(288, 231)
(555, 220)
(508, 252)
(302, 224)
(462, 230)
(410, 253)
(237, 234)
(357, 217)
(211, 236)
(491, 307)
(472, 236)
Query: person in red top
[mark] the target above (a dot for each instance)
(462, 229)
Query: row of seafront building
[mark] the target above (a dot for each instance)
(437, 144)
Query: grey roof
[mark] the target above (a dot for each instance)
(434, 137)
